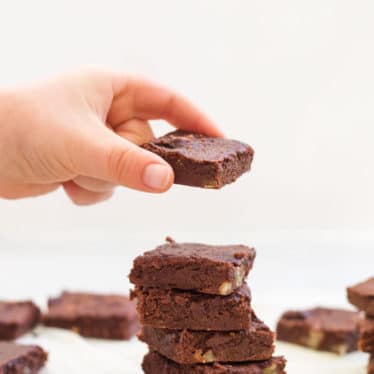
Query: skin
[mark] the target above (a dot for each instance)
(82, 131)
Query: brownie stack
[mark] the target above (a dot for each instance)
(195, 311)
(362, 296)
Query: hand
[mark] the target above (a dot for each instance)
(82, 131)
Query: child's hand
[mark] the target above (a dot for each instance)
(82, 131)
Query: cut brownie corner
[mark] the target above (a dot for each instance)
(21, 359)
(361, 295)
(17, 318)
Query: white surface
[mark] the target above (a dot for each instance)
(72, 354)
(293, 78)
(292, 270)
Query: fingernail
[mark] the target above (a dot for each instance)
(156, 176)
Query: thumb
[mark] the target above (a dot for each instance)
(109, 157)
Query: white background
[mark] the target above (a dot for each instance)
(295, 79)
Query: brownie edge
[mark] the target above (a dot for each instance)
(17, 318)
(195, 347)
(155, 363)
(176, 309)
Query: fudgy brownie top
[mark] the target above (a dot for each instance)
(199, 147)
(17, 312)
(156, 363)
(233, 254)
(326, 319)
(74, 305)
(15, 354)
(193, 266)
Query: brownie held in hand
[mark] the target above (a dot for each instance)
(362, 296)
(366, 340)
(21, 359)
(17, 318)
(176, 309)
(154, 363)
(323, 329)
(218, 270)
(202, 161)
(91, 315)
(194, 347)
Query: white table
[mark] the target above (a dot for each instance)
(297, 269)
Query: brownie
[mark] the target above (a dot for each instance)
(17, 318)
(218, 270)
(176, 309)
(154, 363)
(202, 161)
(370, 366)
(193, 347)
(323, 329)
(21, 359)
(366, 340)
(362, 296)
(91, 315)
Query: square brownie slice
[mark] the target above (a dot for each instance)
(92, 315)
(200, 347)
(202, 161)
(362, 296)
(176, 309)
(366, 340)
(155, 363)
(323, 329)
(17, 318)
(212, 269)
(21, 359)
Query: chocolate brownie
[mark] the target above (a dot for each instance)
(366, 340)
(370, 366)
(21, 359)
(362, 296)
(175, 309)
(154, 363)
(208, 269)
(323, 329)
(193, 347)
(91, 315)
(202, 161)
(17, 318)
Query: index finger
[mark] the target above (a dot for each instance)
(137, 98)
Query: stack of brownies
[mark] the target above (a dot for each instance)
(362, 296)
(195, 308)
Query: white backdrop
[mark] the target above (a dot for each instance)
(295, 79)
